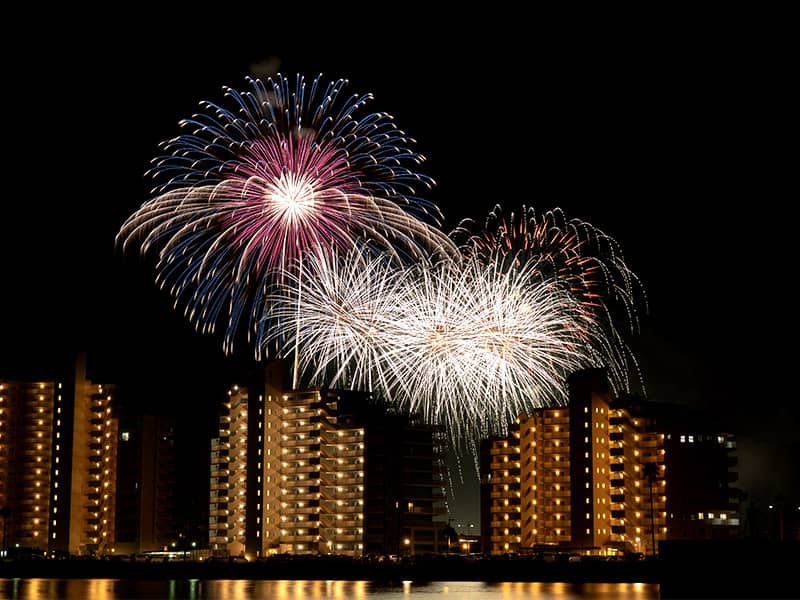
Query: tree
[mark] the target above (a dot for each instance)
(450, 535)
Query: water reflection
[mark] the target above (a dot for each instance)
(242, 589)
(560, 590)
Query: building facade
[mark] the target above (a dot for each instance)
(28, 415)
(146, 483)
(322, 472)
(593, 477)
(548, 483)
(58, 446)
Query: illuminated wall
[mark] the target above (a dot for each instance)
(28, 413)
(576, 478)
(94, 468)
(58, 445)
(290, 476)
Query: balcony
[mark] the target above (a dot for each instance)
(548, 498)
(330, 523)
(551, 463)
(294, 429)
(292, 469)
(504, 450)
(564, 480)
(301, 454)
(297, 443)
(552, 524)
(347, 436)
(504, 494)
(334, 452)
(343, 481)
(334, 494)
(343, 538)
(292, 496)
(300, 510)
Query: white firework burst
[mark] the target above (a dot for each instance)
(468, 345)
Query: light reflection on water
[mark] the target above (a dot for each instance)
(243, 589)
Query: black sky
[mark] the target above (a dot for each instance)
(674, 134)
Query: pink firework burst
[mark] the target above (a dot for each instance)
(278, 175)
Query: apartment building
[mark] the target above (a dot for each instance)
(604, 475)
(323, 472)
(58, 447)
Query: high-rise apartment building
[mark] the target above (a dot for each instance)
(58, 464)
(28, 415)
(639, 482)
(548, 482)
(594, 477)
(321, 471)
(146, 483)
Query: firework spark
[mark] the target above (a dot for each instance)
(252, 189)
(576, 255)
(581, 257)
(468, 345)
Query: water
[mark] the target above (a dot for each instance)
(243, 589)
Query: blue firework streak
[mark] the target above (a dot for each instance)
(275, 175)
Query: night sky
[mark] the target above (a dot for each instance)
(672, 136)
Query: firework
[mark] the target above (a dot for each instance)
(581, 257)
(576, 255)
(277, 174)
(468, 345)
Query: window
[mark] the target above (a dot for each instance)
(126, 436)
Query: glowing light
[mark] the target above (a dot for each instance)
(468, 345)
(275, 174)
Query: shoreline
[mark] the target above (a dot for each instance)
(445, 568)
(699, 569)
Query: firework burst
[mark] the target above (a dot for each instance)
(579, 257)
(468, 345)
(255, 186)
